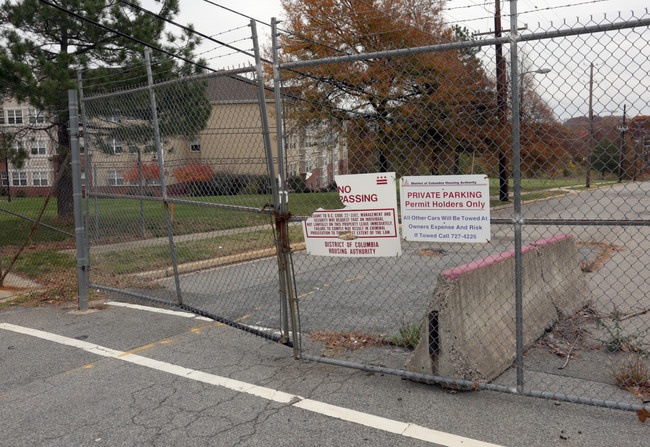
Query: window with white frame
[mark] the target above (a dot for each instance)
(115, 178)
(114, 146)
(35, 116)
(195, 145)
(40, 178)
(5, 179)
(19, 178)
(308, 163)
(38, 148)
(14, 116)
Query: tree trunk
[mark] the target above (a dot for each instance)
(65, 205)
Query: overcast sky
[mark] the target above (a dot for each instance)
(477, 16)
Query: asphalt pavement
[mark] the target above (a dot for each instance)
(127, 376)
(132, 376)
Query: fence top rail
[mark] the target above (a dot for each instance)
(590, 29)
(200, 77)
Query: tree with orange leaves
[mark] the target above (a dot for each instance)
(412, 113)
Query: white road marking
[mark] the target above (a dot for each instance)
(379, 423)
(159, 310)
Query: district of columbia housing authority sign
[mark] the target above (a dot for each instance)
(366, 227)
(445, 208)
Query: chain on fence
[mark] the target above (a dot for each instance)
(555, 304)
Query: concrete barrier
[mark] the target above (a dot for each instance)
(469, 329)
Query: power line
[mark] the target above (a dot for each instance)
(183, 27)
(237, 12)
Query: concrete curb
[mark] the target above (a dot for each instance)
(192, 267)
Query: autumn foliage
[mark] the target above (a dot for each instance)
(409, 113)
(193, 172)
(148, 171)
(416, 113)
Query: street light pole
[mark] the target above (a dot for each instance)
(544, 70)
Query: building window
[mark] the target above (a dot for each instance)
(40, 178)
(38, 148)
(195, 145)
(35, 117)
(115, 178)
(5, 179)
(19, 178)
(115, 146)
(14, 116)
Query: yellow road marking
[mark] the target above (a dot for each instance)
(354, 279)
(305, 294)
(141, 348)
(235, 321)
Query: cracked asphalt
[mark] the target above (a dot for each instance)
(57, 394)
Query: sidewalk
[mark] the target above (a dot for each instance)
(15, 286)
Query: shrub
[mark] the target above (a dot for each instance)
(258, 185)
(604, 158)
(297, 183)
(226, 184)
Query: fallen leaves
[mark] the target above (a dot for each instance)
(349, 341)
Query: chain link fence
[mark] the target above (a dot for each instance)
(181, 182)
(556, 303)
(37, 240)
(183, 208)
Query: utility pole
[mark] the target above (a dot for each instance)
(621, 153)
(591, 125)
(502, 97)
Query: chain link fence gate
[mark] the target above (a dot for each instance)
(180, 196)
(37, 240)
(555, 305)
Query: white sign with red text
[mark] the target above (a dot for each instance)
(445, 208)
(366, 227)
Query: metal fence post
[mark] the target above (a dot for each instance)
(516, 174)
(82, 271)
(161, 165)
(280, 140)
(86, 189)
(287, 302)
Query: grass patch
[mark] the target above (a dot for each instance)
(408, 335)
(633, 375)
(42, 263)
(144, 259)
(617, 339)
